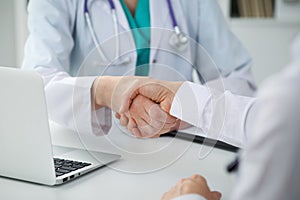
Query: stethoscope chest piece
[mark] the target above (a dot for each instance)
(179, 42)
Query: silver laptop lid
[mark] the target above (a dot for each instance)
(25, 143)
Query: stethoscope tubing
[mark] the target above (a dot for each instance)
(181, 37)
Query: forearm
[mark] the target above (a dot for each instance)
(69, 101)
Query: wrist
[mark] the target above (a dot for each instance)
(173, 87)
(102, 89)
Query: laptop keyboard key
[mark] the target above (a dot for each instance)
(64, 171)
(68, 168)
(78, 166)
(67, 164)
(58, 174)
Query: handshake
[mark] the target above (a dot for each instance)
(142, 104)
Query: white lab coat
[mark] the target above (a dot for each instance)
(270, 165)
(60, 47)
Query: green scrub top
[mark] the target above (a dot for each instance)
(140, 27)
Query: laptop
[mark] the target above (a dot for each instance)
(26, 150)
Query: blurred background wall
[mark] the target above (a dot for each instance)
(13, 31)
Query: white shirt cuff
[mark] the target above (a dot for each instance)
(190, 102)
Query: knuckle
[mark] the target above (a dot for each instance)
(186, 188)
(124, 122)
(199, 178)
(181, 181)
(196, 176)
(139, 99)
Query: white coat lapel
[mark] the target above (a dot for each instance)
(103, 6)
(159, 15)
(122, 19)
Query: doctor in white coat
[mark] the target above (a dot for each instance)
(64, 33)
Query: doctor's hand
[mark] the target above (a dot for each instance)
(116, 92)
(146, 118)
(195, 184)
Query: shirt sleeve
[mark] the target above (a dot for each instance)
(189, 197)
(220, 115)
(47, 51)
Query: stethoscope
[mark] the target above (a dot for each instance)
(178, 40)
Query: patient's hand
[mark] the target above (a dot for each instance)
(195, 184)
(147, 119)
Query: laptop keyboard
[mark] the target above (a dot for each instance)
(63, 166)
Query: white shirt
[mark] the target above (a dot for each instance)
(270, 165)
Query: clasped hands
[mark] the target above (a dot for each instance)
(142, 104)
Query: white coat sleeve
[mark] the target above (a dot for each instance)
(220, 115)
(227, 59)
(48, 50)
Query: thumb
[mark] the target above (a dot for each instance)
(216, 195)
(159, 94)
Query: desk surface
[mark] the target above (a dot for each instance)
(148, 168)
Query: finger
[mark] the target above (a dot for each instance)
(140, 108)
(117, 115)
(129, 95)
(125, 104)
(198, 179)
(149, 131)
(181, 181)
(149, 110)
(150, 126)
(145, 129)
(157, 118)
(123, 120)
(155, 112)
(155, 136)
(131, 124)
(138, 112)
(216, 195)
(136, 132)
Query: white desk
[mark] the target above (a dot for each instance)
(148, 168)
